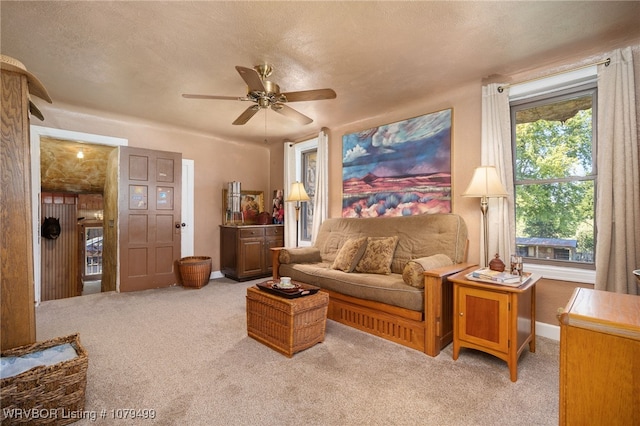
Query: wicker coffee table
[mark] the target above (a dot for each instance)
(286, 325)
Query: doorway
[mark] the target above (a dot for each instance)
(37, 133)
(74, 142)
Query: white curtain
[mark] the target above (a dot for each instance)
(496, 151)
(320, 208)
(289, 208)
(618, 192)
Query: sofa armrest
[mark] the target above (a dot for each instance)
(438, 306)
(275, 262)
(445, 271)
(286, 255)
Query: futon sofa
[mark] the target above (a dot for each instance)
(387, 275)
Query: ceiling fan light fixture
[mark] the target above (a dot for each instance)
(264, 70)
(271, 88)
(267, 94)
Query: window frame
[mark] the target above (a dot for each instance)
(300, 149)
(541, 92)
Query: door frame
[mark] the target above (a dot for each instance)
(37, 132)
(188, 186)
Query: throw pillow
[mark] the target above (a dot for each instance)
(378, 255)
(413, 273)
(350, 254)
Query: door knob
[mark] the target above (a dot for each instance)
(183, 224)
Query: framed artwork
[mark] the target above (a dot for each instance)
(251, 204)
(398, 169)
(277, 213)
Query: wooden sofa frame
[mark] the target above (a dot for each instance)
(428, 331)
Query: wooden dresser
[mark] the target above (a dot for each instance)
(245, 250)
(600, 359)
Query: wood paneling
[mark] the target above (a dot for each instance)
(60, 256)
(16, 273)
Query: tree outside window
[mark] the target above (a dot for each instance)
(555, 177)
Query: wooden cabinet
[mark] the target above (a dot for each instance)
(496, 319)
(245, 250)
(600, 359)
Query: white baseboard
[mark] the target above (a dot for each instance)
(547, 330)
(216, 274)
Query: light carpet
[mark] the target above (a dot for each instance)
(185, 354)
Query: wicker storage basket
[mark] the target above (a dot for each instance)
(46, 395)
(195, 270)
(286, 325)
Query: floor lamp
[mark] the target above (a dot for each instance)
(485, 184)
(299, 195)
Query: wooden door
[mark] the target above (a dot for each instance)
(149, 218)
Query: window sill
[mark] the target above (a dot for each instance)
(578, 275)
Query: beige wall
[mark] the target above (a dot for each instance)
(260, 166)
(466, 104)
(216, 162)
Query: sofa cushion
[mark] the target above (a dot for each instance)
(413, 273)
(419, 236)
(378, 255)
(299, 255)
(350, 254)
(389, 289)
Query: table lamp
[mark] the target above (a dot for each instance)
(485, 184)
(297, 194)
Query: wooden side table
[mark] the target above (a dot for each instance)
(493, 318)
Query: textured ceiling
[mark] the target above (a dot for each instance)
(137, 58)
(62, 171)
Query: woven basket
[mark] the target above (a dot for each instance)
(195, 271)
(286, 325)
(46, 395)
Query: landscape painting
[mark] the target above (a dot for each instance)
(398, 169)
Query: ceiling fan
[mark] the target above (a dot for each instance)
(266, 94)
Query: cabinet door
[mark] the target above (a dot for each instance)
(484, 318)
(251, 258)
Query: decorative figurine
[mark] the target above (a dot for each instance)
(496, 264)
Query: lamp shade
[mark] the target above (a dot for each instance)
(485, 183)
(297, 192)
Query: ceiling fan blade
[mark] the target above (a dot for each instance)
(246, 115)
(226, 98)
(310, 95)
(252, 78)
(291, 113)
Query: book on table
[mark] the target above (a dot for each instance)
(496, 277)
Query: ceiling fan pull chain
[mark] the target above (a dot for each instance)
(265, 127)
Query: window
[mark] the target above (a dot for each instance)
(554, 148)
(306, 154)
(93, 251)
(309, 180)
